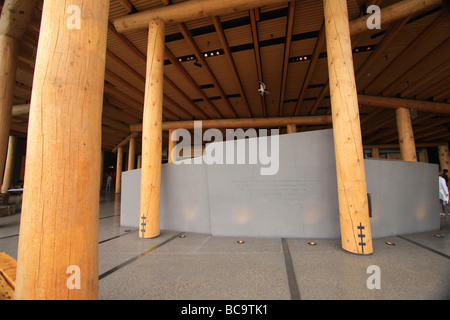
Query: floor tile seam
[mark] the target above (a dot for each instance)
(137, 257)
(425, 247)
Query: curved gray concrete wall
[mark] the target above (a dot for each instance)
(299, 201)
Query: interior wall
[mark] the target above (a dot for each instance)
(299, 201)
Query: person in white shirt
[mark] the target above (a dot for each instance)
(443, 195)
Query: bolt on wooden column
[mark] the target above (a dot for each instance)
(59, 224)
(406, 135)
(152, 133)
(352, 190)
(9, 167)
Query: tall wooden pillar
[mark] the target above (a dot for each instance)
(406, 135)
(9, 167)
(119, 165)
(351, 179)
(172, 145)
(58, 242)
(131, 154)
(375, 153)
(444, 157)
(291, 128)
(102, 167)
(152, 133)
(15, 16)
(139, 162)
(9, 51)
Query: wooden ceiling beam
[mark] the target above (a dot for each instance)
(403, 55)
(191, 81)
(231, 63)
(188, 11)
(395, 12)
(190, 40)
(426, 60)
(390, 35)
(394, 103)
(428, 92)
(287, 54)
(441, 69)
(255, 35)
(127, 43)
(312, 65)
(125, 141)
(185, 96)
(180, 110)
(128, 6)
(241, 123)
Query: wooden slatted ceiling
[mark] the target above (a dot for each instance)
(125, 69)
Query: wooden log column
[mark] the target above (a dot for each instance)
(444, 157)
(351, 180)
(172, 145)
(9, 50)
(119, 165)
(131, 154)
(58, 242)
(291, 128)
(15, 17)
(405, 135)
(9, 164)
(152, 133)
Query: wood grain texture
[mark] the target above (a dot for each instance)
(59, 222)
(351, 179)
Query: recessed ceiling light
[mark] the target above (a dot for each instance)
(312, 243)
(240, 241)
(182, 236)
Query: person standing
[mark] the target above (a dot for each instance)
(443, 195)
(108, 182)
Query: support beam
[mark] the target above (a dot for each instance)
(242, 123)
(188, 11)
(395, 12)
(405, 135)
(152, 133)
(255, 35)
(131, 154)
(172, 145)
(394, 103)
(444, 157)
(59, 222)
(232, 65)
(190, 40)
(9, 50)
(291, 128)
(7, 177)
(15, 17)
(125, 141)
(287, 54)
(119, 165)
(352, 190)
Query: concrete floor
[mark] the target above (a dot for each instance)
(201, 267)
